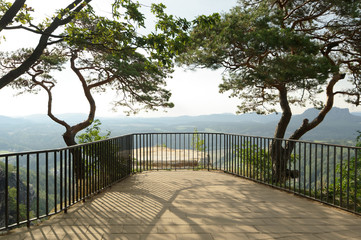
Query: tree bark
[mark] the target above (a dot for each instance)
(278, 152)
(281, 150)
(78, 162)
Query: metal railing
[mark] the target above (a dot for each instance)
(36, 185)
(327, 173)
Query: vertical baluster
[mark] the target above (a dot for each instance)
(328, 173)
(310, 170)
(189, 151)
(315, 182)
(47, 183)
(348, 180)
(216, 150)
(6, 192)
(61, 180)
(182, 152)
(341, 177)
(65, 181)
(299, 167)
(28, 190)
(270, 167)
(166, 151)
(18, 190)
(83, 168)
(237, 155)
(304, 166)
(334, 175)
(321, 193)
(355, 182)
(55, 183)
(242, 156)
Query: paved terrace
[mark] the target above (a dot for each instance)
(195, 205)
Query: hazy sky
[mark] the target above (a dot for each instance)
(193, 92)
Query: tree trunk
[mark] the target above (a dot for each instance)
(281, 151)
(78, 163)
(281, 154)
(279, 161)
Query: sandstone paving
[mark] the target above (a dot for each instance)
(194, 205)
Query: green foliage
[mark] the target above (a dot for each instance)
(41, 72)
(198, 143)
(99, 160)
(92, 133)
(259, 54)
(348, 180)
(111, 54)
(162, 145)
(12, 206)
(265, 47)
(253, 161)
(22, 17)
(12, 199)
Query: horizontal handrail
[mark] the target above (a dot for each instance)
(60, 149)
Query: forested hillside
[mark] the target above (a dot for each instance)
(38, 132)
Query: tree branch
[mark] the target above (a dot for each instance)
(306, 125)
(308, 18)
(88, 95)
(43, 43)
(357, 95)
(36, 30)
(50, 99)
(295, 9)
(11, 13)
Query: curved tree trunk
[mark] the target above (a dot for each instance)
(71, 131)
(281, 150)
(279, 155)
(78, 162)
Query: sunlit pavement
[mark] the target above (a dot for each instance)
(194, 205)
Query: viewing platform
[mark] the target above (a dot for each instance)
(183, 186)
(186, 204)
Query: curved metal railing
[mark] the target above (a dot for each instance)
(35, 185)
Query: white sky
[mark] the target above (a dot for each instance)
(193, 92)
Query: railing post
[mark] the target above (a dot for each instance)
(17, 189)
(6, 197)
(27, 190)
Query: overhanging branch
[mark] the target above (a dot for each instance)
(306, 125)
(77, 5)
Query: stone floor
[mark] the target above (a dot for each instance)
(194, 205)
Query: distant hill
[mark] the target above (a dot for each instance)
(39, 132)
(356, 113)
(339, 124)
